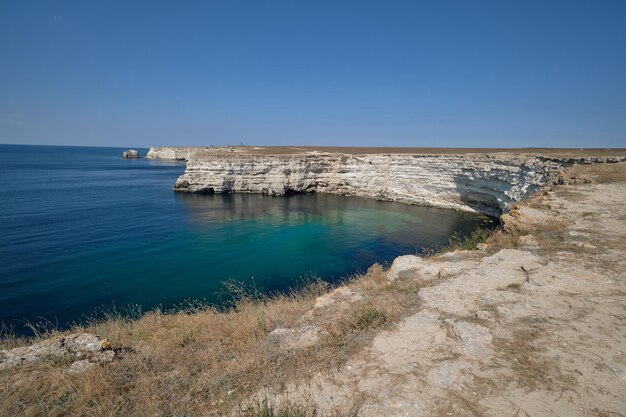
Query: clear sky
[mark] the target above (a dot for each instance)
(354, 73)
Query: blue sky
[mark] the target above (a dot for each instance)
(352, 73)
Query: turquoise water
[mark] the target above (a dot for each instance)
(82, 228)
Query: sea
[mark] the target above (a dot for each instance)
(84, 232)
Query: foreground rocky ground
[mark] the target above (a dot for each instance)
(533, 330)
(531, 324)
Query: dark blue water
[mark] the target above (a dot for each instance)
(82, 228)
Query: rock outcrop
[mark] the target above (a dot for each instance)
(533, 330)
(484, 183)
(131, 154)
(84, 349)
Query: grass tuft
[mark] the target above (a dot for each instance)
(514, 286)
(469, 242)
(200, 360)
(263, 409)
(370, 318)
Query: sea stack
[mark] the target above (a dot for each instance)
(131, 154)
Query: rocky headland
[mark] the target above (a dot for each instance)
(468, 180)
(530, 323)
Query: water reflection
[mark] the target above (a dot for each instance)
(397, 224)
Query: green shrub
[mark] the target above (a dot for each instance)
(459, 242)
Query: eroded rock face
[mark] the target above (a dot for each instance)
(471, 182)
(85, 347)
(468, 182)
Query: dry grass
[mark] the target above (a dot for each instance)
(601, 173)
(207, 362)
(522, 353)
(501, 239)
(605, 413)
(469, 242)
(264, 409)
(549, 234)
(184, 363)
(515, 286)
(523, 362)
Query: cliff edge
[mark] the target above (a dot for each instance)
(532, 323)
(465, 180)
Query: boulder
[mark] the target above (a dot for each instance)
(414, 267)
(131, 154)
(342, 294)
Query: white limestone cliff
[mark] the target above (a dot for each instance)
(484, 183)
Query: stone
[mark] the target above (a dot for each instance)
(484, 315)
(83, 342)
(105, 356)
(482, 247)
(295, 338)
(78, 345)
(80, 366)
(476, 339)
(343, 294)
(131, 154)
(415, 268)
(390, 408)
(448, 373)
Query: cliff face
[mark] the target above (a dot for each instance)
(472, 182)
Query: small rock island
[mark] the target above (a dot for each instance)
(131, 154)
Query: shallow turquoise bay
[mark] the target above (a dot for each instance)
(83, 229)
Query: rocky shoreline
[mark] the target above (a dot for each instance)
(531, 323)
(481, 182)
